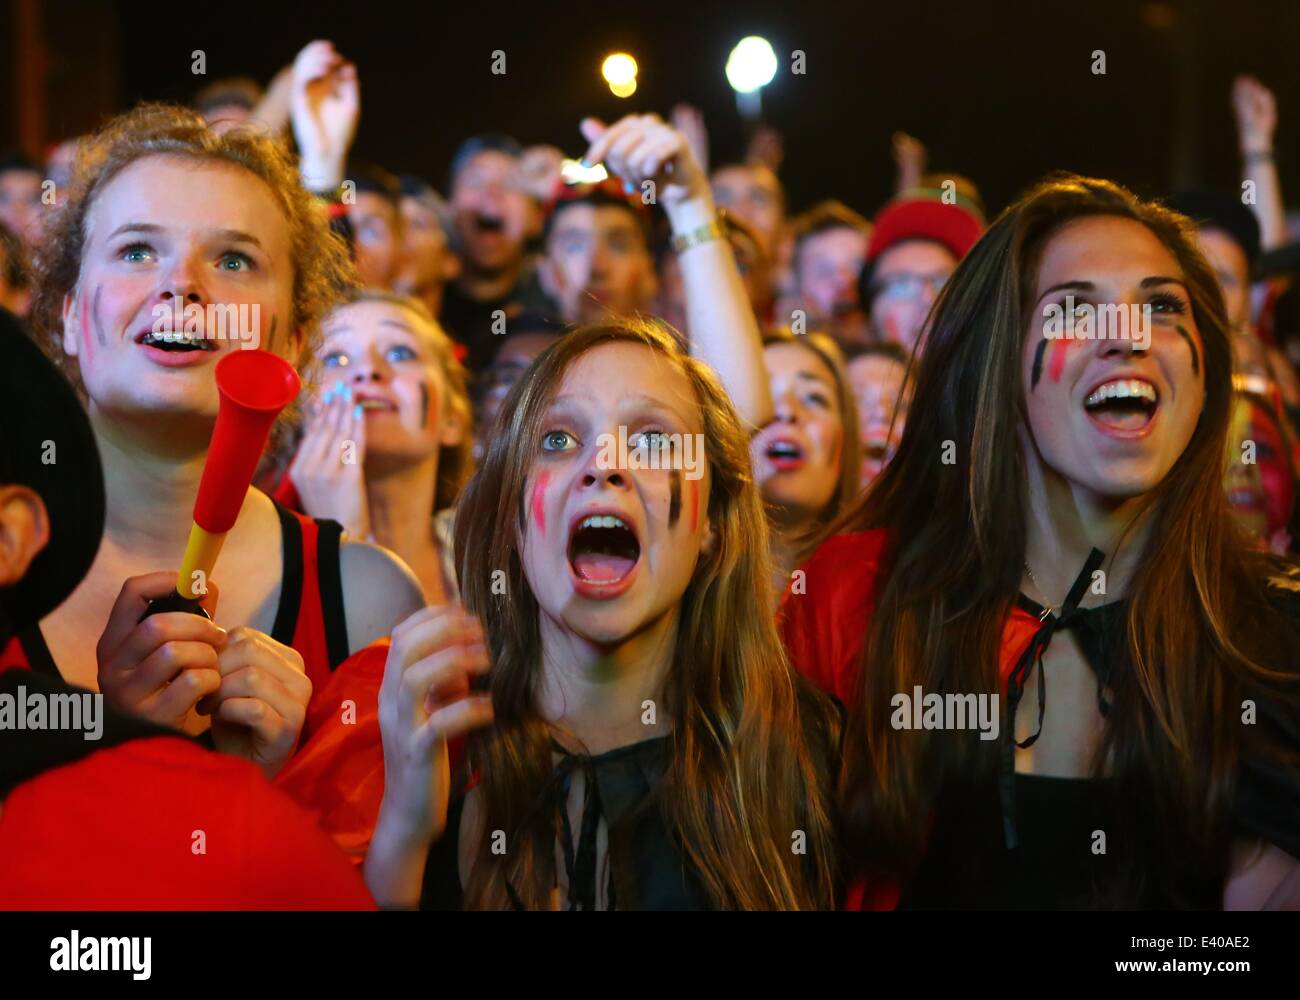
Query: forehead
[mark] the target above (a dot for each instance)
(373, 319)
(20, 179)
(1106, 250)
(738, 178)
(796, 359)
(586, 217)
(372, 203)
(606, 377)
(486, 164)
(1222, 250)
(836, 241)
(875, 367)
(916, 255)
(180, 193)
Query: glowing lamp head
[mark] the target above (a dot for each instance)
(619, 70)
(751, 65)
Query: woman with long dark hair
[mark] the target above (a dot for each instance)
(1070, 683)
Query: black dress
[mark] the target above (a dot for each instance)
(1056, 862)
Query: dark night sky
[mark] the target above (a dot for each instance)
(1000, 91)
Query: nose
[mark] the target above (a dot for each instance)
(182, 282)
(369, 366)
(785, 406)
(597, 472)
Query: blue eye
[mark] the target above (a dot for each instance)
(136, 253)
(236, 262)
(400, 353)
(335, 359)
(557, 441)
(648, 439)
(1167, 304)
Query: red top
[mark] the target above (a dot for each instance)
(824, 627)
(119, 830)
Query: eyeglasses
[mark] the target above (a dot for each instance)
(905, 285)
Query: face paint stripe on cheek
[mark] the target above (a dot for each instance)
(88, 344)
(539, 501)
(1191, 346)
(1037, 374)
(675, 496)
(1056, 366)
(424, 404)
(99, 323)
(695, 505)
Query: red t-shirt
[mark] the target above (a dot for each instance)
(120, 829)
(824, 620)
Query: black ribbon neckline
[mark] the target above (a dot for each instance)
(1069, 616)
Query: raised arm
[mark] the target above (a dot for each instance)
(721, 325)
(1255, 109)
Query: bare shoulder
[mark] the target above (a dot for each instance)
(379, 591)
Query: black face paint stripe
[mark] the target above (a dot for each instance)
(94, 314)
(1038, 364)
(1191, 346)
(675, 501)
(424, 404)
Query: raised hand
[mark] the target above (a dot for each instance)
(642, 148)
(328, 470)
(425, 699)
(325, 107)
(1255, 109)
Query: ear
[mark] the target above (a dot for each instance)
(451, 266)
(24, 531)
(708, 538)
(454, 425)
(71, 323)
(548, 278)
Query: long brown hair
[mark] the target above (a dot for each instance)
(1198, 625)
(740, 777)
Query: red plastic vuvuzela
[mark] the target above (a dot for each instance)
(254, 387)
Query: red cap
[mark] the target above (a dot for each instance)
(913, 217)
(254, 386)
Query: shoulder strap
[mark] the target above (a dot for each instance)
(330, 576)
(286, 615)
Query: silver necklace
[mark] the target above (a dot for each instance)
(1048, 609)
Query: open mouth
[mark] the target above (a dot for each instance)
(489, 223)
(603, 549)
(1124, 404)
(175, 342)
(875, 450)
(784, 454)
(369, 404)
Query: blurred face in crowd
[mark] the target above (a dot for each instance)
(597, 262)
(797, 456)
(1108, 418)
(507, 368)
(386, 354)
(1261, 493)
(906, 282)
(1231, 267)
(171, 231)
(491, 208)
(426, 259)
(878, 387)
(377, 227)
(20, 205)
(752, 194)
(828, 265)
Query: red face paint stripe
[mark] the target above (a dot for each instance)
(1057, 363)
(695, 504)
(539, 501)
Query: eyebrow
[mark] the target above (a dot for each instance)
(234, 235)
(1151, 281)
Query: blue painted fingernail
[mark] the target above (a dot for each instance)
(347, 392)
(356, 411)
(628, 187)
